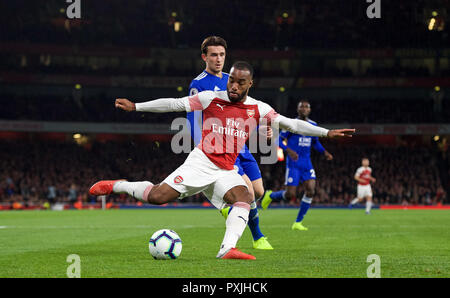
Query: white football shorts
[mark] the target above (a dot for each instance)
(364, 191)
(199, 174)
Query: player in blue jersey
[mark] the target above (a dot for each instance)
(299, 169)
(213, 51)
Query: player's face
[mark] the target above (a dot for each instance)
(238, 84)
(365, 162)
(303, 109)
(215, 59)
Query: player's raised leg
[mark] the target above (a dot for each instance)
(134, 189)
(144, 191)
(292, 180)
(354, 202)
(277, 196)
(103, 187)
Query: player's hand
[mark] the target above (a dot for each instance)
(328, 155)
(373, 179)
(125, 104)
(292, 154)
(269, 132)
(345, 132)
(266, 131)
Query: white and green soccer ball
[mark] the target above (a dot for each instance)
(165, 245)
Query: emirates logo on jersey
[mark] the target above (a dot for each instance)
(178, 179)
(250, 113)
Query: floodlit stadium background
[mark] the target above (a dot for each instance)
(387, 77)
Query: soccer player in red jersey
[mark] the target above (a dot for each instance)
(364, 191)
(229, 118)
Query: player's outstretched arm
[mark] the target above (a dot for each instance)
(344, 132)
(162, 105)
(307, 129)
(125, 104)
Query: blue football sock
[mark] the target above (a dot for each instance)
(277, 196)
(253, 223)
(304, 206)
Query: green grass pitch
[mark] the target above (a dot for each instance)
(114, 243)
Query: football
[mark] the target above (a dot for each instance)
(165, 245)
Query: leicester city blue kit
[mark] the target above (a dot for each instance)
(300, 170)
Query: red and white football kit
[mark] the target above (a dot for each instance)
(364, 189)
(227, 125)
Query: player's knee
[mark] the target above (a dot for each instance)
(310, 193)
(246, 197)
(239, 194)
(259, 192)
(258, 188)
(251, 192)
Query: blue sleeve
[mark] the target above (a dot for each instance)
(195, 88)
(317, 145)
(284, 135)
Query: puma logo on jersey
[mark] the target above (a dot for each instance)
(221, 107)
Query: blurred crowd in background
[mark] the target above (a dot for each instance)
(325, 110)
(353, 69)
(404, 175)
(35, 172)
(45, 64)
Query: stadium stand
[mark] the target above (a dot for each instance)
(393, 70)
(405, 175)
(325, 110)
